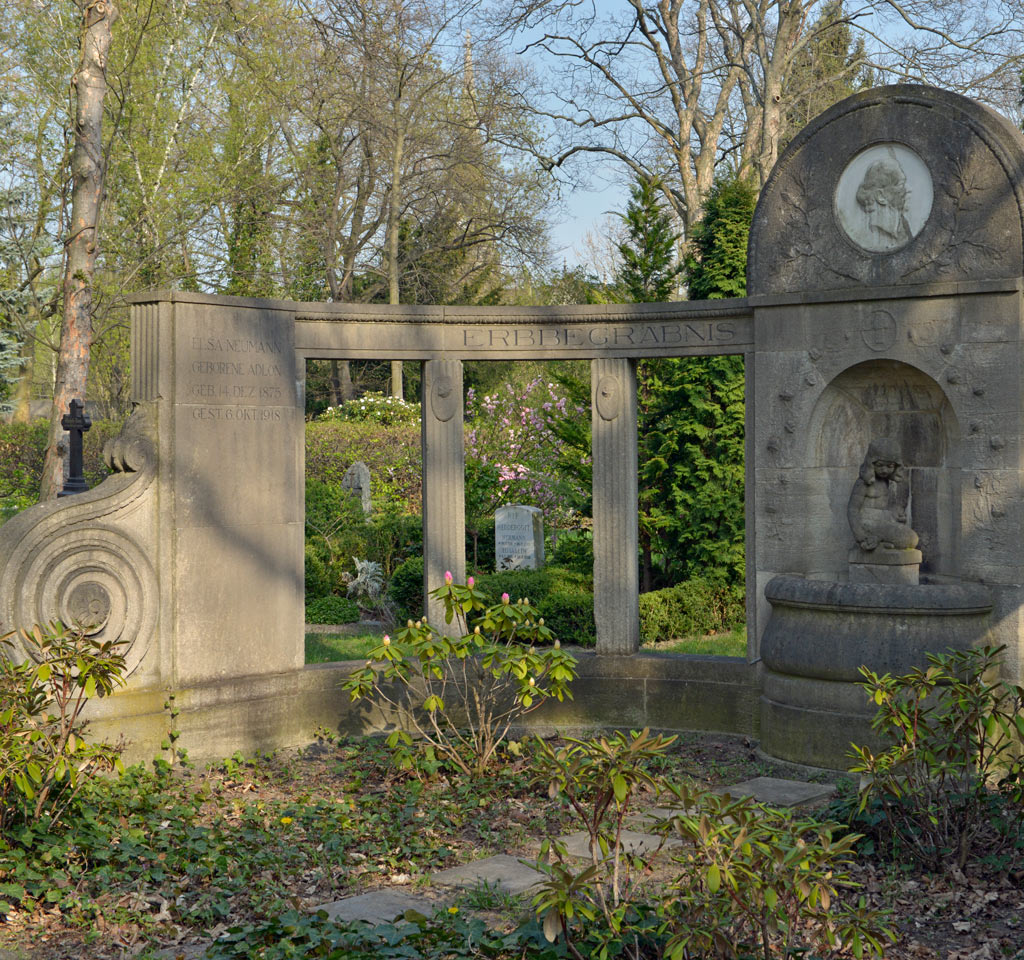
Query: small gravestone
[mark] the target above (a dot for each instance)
(518, 538)
(357, 479)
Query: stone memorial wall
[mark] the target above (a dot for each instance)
(885, 482)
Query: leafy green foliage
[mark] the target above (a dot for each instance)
(374, 408)
(599, 780)
(447, 934)
(756, 881)
(331, 609)
(461, 694)
(649, 269)
(717, 265)
(393, 456)
(748, 880)
(565, 596)
(691, 468)
(951, 785)
(406, 588)
(693, 607)
(22, 446)
(44, 755)
(337, 533)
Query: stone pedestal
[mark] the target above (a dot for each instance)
(616, 574)
(885, 565)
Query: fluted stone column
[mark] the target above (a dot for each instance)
(616, 578)
(444, 459)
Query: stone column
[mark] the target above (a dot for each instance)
(616, 577)
(444, 473)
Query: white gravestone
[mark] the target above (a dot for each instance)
(518, 538)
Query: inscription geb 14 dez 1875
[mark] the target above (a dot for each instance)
(237, 379)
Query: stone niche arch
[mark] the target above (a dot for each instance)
(888, 398)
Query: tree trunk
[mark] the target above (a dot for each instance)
(81, 247)
(393, 294)
(335, 384)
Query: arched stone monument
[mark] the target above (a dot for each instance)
(885, 272)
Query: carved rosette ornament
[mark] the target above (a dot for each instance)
(86, 559)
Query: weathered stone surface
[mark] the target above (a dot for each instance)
(616, 575)
(357, 479)
(633, 841)
(817, 228)
(444, 468)
(828, 630)
(518, 537)
(777, 792)
(502, 872)
(875, 312)
(378, 906)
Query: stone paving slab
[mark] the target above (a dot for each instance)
(780, 793)
(502, 872)
(633, 841)
(378, 906)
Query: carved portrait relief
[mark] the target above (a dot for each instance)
(883, 197)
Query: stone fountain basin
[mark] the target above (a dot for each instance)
(827, 630)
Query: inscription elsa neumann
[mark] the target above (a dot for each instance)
(584, 335)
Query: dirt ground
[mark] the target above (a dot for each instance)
(978, 916)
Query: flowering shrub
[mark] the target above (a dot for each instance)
(511, 451)
(374, 408)
(462, 694)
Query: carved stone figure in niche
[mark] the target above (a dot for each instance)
(876, 512)
(882, 195)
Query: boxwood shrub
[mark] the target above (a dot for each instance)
(692, 608)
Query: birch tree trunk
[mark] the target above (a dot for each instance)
(81, 247)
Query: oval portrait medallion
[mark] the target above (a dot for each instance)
(884, 197)
(607, 397)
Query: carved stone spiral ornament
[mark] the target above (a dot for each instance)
(84, 559)
(93, 576)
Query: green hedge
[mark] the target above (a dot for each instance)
(565, 599)
(692, 608)
(22, 449)
(331, 610)
(406, 589)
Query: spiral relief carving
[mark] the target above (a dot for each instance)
(82, 559)
(95, 576)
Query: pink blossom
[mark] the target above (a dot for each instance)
(504, 598)
(447, 576)
(470, 582)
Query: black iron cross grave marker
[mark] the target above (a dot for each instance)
(76, 423)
